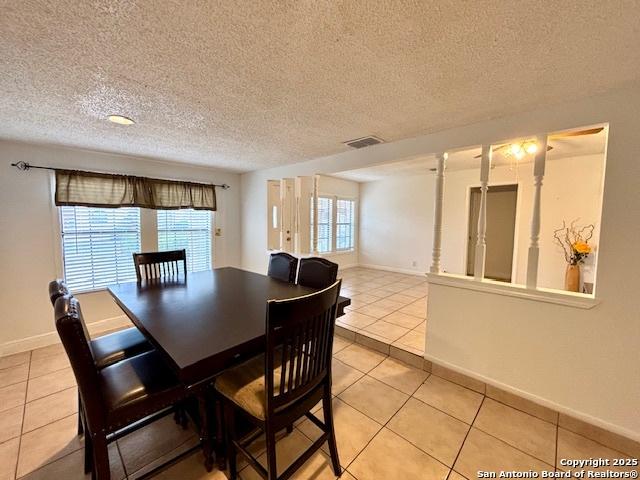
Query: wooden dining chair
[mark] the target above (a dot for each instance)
(278, 388)
(283, 266)
(107, 349)
(118, 397)
(316, 272)
(160, 264)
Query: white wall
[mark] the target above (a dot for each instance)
(396, 222)
(585, 361)
(29, 243)
(572, 189)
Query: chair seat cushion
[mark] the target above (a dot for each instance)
(245, 386)
(114, 347)
(138, 386)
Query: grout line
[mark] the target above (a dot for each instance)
(49, 394)
(455, 460)
(24, 408)
(555, 464)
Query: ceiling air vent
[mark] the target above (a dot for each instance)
(364, 142)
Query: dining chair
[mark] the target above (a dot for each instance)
(107, 349)
(283, 266)
(118, 397)
(278, 388)
(316, 272)
(160, 264)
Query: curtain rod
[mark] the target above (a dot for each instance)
(24, 166)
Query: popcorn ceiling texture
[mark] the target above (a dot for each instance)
(243, 85)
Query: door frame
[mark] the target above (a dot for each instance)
(516, 236)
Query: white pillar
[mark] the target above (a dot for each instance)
(481, 244)
(437, 215)
(316, 187)
(534, 247)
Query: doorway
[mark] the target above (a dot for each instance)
(501, 226)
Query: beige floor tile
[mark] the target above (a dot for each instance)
(14, 360)
(521, 430)
(362, 299)
(151, 442)
(401, 298)
(190, 468)
(459, 378)
(42, 352)
(372, 342)
(522, 404)
(403, 320)
(11, 423)
(72, 467)
(353, 430)
(413, 339)
(389, 456)
(387, 304)
(13, 375)
(340, 343)
(453, 399)
(399, 375)
(50, 383)
(453, 475)
(47, 364)
(46, 444)
(359, 357)
(431, 430)
(417, 309)
(50, 408)
(9, 458)
(343, 376)
(575, 447)
(388, 331)
(422, 328)
(167, 457)
(376, 311)
(484, 452)
(12, 396)
(357, 319)
(415, 351)
(373, 398)
(612, 440)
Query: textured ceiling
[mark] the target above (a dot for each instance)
(244, 85)
(467, 159)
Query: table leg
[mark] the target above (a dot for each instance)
(205, 431)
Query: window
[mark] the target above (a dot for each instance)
(325, 220)
(345, 224)
(188, 229)
(97, 245)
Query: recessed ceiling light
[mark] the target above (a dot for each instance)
(120, 120)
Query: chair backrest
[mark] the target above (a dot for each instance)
(317, 272)
(299, 345)
(76, 341)
(160, 264)
(57, 288)
(283, 267)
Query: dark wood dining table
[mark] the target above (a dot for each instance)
(205, 322)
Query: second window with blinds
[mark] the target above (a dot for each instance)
(336, 224)
(188, 229)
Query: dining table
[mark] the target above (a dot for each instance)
(205, 322)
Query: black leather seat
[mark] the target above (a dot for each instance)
(116, 396)
(317, 272)
(283, 267)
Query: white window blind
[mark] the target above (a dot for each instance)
(345, 224)
(188, 229)
(325, 218)
(97, 245)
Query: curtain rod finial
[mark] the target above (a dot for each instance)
(225, 186)
(24, 166)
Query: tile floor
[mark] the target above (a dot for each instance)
(389, 307)
(392, 421)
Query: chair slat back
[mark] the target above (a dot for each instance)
(299, 345)
(283, 266)
(76, 341)
(316, 272)
(57, 288)
(160, 264)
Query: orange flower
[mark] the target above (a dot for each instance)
(582, 247)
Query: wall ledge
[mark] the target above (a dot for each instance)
(547, 295)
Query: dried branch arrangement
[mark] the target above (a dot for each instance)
(574, 241)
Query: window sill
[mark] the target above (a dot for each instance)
(337, 252)
(558, 297)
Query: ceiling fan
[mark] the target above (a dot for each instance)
(528, 146)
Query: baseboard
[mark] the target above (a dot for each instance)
(539, 400)
(51, 338)
(392, 269)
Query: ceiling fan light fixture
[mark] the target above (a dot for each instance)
(531, 148)
(120, 120)
(515, 149)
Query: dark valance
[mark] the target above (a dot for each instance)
(92, 189)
